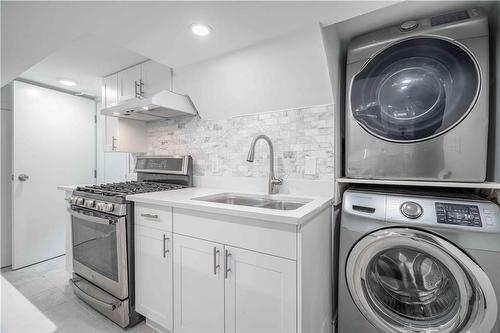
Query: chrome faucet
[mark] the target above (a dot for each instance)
(273, 181)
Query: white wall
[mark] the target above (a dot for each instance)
(283, 73)
(5, 176)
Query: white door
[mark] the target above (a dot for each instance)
(127, 80)
(153, 275)
(156, 77)
(53, 144)
(110, 90)
(260, 292)
(198, 286)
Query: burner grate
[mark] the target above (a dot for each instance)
(131, 187)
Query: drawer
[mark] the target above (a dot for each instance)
(152, 216)
(256, 235)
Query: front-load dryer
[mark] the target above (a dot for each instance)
(418, 262)
(417, 100)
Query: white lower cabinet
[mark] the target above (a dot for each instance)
(198, 286)
(220, 277)
(260, 292)
(153, 275)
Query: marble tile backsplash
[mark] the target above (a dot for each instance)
(220, 147)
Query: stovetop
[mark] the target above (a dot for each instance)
(123, 189)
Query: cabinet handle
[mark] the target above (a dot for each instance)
(113, 145)
(216, 265)
(150, 216)
(135, 88)
(141, 90)
(165, 246)
(226, 262)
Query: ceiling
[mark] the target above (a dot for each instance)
(85, 60)
(85, 40)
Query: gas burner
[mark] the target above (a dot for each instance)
(131, 187)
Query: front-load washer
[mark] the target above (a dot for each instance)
(417, 100)
(418, 262)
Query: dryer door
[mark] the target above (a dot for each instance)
(406, 280)
(415, 89)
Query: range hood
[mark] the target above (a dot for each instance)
(164, 104)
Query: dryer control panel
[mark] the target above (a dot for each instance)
(458, 214)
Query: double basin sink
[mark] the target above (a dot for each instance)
(259, 201)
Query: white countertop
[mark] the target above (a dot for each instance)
(184, 199)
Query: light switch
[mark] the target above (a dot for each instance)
(310, 167)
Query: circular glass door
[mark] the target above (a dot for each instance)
(406, 280)
(415, 89)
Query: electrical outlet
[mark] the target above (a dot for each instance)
(310, 166)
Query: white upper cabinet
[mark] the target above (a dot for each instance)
(155, 78)
(129, 81)
(110, 90)
(125, 135)
(139, 81)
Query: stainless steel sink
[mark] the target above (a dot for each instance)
(259, 201)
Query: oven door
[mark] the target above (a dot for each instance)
(100, 249)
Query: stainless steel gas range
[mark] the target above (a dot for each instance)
(102, 223)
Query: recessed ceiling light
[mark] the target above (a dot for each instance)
(67, 82)
(201, 29)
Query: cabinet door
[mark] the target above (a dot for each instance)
(110, 90)
(110, 133)
(155, 77)
(260, 292)
(198, 285)
(153, 275)
(127, 80)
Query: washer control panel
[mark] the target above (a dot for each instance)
(458, 214)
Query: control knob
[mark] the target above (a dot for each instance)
(411, 210)
(72, 200)
(100, 206)
(109, 207)
(89, 203)
(79, 201)
(408, 26)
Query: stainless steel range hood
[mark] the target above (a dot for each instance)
(164, 104)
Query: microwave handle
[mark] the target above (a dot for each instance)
(90, 218)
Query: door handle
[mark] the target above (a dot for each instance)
(226, 264)
(23, 177)
(216, 265)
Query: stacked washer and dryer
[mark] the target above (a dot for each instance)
(414, 260)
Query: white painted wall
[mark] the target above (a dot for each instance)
(5, 177)
(283, 73)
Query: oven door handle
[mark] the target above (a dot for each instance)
(91, 299)
(91, 218)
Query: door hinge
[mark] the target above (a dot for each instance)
(95, 119)
(95, 173)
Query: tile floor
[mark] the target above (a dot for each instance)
(45, 286)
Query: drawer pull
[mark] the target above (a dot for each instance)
(226, 263)
(149, 216)
(216, 265)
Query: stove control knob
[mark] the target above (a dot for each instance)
(72, 200)
(79, 201)
(100, 206)
(109, 207)
(411, 210)
(89, 203)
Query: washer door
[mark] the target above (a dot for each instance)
(415, 89)
(406, 280)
